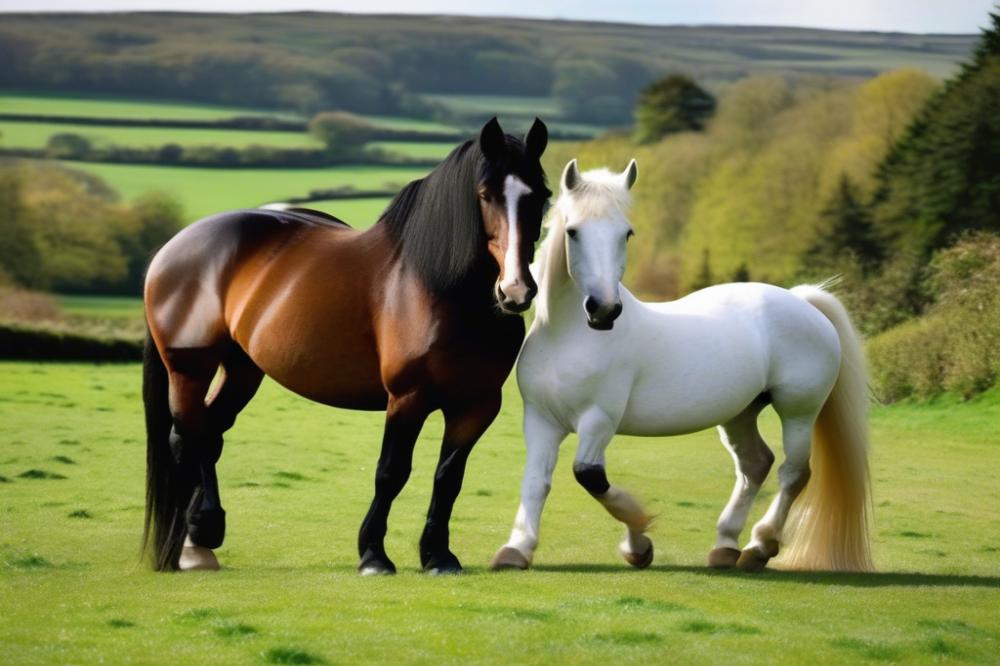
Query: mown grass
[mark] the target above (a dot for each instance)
(203, 191)
(296, 480)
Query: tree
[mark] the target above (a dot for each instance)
(705, 278)
(846, 231)
(343, 133)
(19, 256)
(67, 145)
(674, 103)
(943, 176)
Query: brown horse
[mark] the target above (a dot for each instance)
(410, 316)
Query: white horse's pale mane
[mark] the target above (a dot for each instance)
(599, 194)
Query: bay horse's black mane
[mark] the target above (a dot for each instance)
(437, 220)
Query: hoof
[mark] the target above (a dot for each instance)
(376, 565)
(723, 558)
(446, 565)
(197, 558)
(376, 569)
(755, 558)
(509, 558)
(639, 560)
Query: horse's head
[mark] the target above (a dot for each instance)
(593, 206)
(512, 197)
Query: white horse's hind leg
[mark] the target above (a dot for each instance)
(542, 439)
(796, 435)
(596, 431)
(753, 461)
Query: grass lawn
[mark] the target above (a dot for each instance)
(36, 135)
(297, 478)
(204, 191)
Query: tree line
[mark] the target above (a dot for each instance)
(384, 64)
(892, 184)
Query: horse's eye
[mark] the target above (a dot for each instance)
(571, 233)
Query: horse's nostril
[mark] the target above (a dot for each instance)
(532, 292)
(615, 311)
(590, 305)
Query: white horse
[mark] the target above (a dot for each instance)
(714, 358)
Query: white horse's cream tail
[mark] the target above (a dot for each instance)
(828, 527)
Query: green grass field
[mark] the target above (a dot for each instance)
(120, 107)
(204, 191)
(103, 307)
(436, 151)
(296, 481)
(36, 135)
(359, 213)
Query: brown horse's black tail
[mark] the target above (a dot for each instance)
(168, 490)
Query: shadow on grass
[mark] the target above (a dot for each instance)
(877, 579)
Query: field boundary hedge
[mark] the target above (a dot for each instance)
(25, 343)
(251, 123)
(253, 157)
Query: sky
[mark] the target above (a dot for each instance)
(961, 16)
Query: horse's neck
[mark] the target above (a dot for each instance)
(557, 293)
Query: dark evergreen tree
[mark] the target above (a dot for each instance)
(705, 278)
(674, 103)
(847, 231)
(943, 177)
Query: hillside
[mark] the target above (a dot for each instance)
(416, 65)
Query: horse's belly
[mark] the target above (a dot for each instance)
(338, 382)
(678, 399)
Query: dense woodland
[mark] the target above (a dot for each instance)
(382, 64)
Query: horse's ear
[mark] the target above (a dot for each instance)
(570, 176)
(630, 174)
(491, 140)
(537, 139)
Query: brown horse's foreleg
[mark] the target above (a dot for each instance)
(464, 425)
(404, 418)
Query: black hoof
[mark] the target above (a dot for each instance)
(376, 564)
(443, 565)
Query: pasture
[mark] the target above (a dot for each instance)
(203, 191)
(36, 135)
(297, 478)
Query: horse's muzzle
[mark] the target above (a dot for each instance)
(511, 305)
(601, 316)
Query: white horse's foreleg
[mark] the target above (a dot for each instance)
(753, 461)
(796, 435)
(542, 439)
(596, 430)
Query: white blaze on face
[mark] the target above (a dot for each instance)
(513, 284)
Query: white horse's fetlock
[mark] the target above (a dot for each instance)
(639, 553)
(197, 558)
(509, 557)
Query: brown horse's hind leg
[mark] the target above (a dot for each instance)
(404, 418)
(464, 425)
(196, 438)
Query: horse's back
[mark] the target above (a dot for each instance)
(190, 278)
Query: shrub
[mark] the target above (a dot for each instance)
(953, 347)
